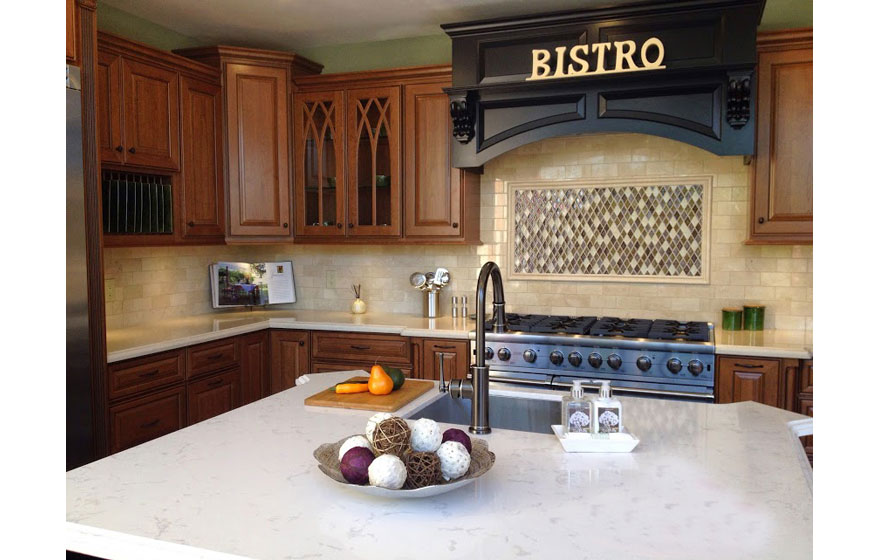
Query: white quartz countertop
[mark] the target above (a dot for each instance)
(706, 481)
(133, 342)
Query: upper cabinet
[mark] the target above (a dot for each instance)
(72, 24)
(256, 91)
(373, 155)
(782, 170)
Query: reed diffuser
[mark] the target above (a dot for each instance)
(358, 306)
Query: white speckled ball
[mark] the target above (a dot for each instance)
(454, 460)
(373, 422)
(353, 441)
(426, 435)
(387, 471)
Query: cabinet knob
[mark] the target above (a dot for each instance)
(285, 225)
(191, 223)
(761, 220)
(119, 148)
(131, 150)
(455, 224)
(302, 342)
(350, 225)
(338, 225)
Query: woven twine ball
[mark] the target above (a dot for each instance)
(422, 469)
(391, 436)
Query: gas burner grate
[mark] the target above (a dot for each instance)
(692, 331)
(627, 328)
(549, 324)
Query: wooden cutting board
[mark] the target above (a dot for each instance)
(412, 389)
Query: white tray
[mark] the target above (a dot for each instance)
(622, 442)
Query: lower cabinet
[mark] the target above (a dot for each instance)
(254, 366)
(450, 355)
(290, 358)
(805, 401)
(213, 395)
(146, 418)
(328, 367)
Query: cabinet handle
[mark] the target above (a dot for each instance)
(149, 424)
(445, 347)
(750, 366)
(350, 225)
(191, 223)
(149, 373)
(302, 342)
(356, 347)
(119, 148)
(339, 225)
(455, 225)
(131, 150)
(214, 383)
(761, 220)
(285, 225)
(215, 356)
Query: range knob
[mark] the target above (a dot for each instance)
(575, 359)
(594, 359)
(614, 361)
(504, 354)
(674, 365)
(556, 357)
(695, 367)
(530, 356)
(489, 353)
(643, 363)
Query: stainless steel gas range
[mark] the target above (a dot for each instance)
(671, 359)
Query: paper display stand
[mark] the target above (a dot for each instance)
(239, 284)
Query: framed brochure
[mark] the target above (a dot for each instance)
(237, 284)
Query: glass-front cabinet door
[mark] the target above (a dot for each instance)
(320, 163)
(374, 161)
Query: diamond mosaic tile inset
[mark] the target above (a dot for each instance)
(639, 232)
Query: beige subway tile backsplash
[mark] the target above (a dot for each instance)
(151, 284)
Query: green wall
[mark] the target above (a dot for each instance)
(132, 27)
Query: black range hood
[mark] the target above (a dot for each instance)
(678, 69)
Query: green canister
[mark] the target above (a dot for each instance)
(731, 318)
(753, 317)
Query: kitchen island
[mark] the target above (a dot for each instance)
(719, 481)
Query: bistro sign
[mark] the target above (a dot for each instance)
(581, 56)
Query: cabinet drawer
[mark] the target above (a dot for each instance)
(211, 357)
(329, 367)
(362, 348)
(141, 374)
(146, 418)
(213, 395)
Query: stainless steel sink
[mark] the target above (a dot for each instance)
(508, 413)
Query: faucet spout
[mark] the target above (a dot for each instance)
(477, 388)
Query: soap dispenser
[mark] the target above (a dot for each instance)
(576, 417)
(607, 412)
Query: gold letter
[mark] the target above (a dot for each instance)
(658, 62)
(601, 49)
(540, 68)
(625, 51)
(585, 66)
(560, 61)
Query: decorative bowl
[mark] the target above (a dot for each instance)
(481, 461)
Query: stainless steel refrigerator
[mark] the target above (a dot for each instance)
(80, 409)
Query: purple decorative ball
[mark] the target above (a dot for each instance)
(355, 465)
(454, 434)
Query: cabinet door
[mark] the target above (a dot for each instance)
(146, 418)
(749, 379)
(319, 152)
(290, 359)
(258, 144)
(373, 130)
(432, 191)
(451, 354)
(254, 366)
(151, 115)
(783, 166)
(72, 32)
(108, 98)
(203, 212)
(213, 395)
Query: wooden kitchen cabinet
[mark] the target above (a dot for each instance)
(452, 354)
(108, 98)
(749, 379)
(805, 401)
(337, 346)
(72, 36)
(146, 373)
(782, 169)
(211, 357)
(140, 420)
(290, 358)
(213, 395)
(329, 367)
(254, 366)
(203, 212)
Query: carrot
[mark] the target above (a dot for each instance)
(345, 388)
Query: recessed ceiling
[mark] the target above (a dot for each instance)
(292, 24)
